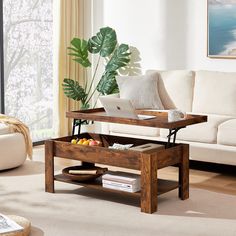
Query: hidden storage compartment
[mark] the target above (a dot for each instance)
(108, 140)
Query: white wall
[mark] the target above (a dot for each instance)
(198, 40)
(170, 34)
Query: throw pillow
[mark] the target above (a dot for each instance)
(141, 90)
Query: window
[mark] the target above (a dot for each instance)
(1, 62)
(28, 64)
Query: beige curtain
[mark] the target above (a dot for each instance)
(71, 25)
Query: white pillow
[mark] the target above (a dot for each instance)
(141, 90)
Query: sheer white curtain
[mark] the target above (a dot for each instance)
(28, 32)
(56, 43)
(72, 18)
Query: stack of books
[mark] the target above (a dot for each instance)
(122, 181)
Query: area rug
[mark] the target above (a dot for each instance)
(73, 211)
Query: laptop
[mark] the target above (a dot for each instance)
(119, 107)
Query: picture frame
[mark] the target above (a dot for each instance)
(221, 29)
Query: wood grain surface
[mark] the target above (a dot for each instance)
(160, 121)
(147, 162)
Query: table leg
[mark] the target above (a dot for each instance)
(49, 167)
(184, 173)
(148, 183)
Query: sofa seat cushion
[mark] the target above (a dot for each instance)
(4, 129)
(204, 132)
(227, 133)
(215, 93)
(216, 153)
(175, 88)
(134, 130)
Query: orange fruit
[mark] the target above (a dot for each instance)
(86, 142)
(80, 141)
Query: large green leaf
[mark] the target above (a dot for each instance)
(104, 42)
(79, 51)
(73, 90)
(84, 106)
(119, 59)
(107, 84)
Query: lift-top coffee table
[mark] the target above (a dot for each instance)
(148, 162)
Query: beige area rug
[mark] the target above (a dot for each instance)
(76, 211)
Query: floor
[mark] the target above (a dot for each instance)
(217, 181)
(210, 210)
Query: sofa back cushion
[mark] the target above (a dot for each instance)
(175, 88)
(215, 93)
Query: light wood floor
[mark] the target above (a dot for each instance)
(208, 180)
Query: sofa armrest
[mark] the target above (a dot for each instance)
(13, 150)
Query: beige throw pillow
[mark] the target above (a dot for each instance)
(141, 90)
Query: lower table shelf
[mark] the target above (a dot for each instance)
(163, 185)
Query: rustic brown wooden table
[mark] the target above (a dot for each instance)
(147, 162)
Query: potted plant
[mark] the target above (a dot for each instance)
(116, 56)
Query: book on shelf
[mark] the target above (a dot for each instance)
(123, 185)
(125, 189)
(8, 226)
(122, 177)
(121, 181)
(83, 172)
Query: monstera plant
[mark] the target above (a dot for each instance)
(116, 56)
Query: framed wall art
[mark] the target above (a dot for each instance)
(221, 16)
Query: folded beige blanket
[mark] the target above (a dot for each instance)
(18, 126)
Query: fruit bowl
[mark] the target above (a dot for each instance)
(83, 177)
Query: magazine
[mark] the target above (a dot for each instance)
(8, 226)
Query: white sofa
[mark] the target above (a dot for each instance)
(12, 148)
(201, 92)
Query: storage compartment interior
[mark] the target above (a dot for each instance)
(109, 140)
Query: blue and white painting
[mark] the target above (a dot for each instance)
(222, 28)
